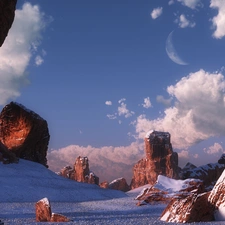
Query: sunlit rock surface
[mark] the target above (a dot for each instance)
(24, 133)
(160, 160)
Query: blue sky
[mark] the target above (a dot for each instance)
(99, 73)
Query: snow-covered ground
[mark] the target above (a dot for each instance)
(23, 184)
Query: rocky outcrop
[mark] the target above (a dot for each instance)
(80, 172)
(217, 198)
(119, 184)
(165, 189)
(205, 207)
(24, 133)
(104, 184)
(7, 14)
(44, 212)
(160, 160)
(209, 173)
(194, 208)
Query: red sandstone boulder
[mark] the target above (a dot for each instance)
(119, 184)
(194, 208)
(59, 218)
(104, 184)
(217, 198)
(160, 160)
(7, 14)
(43, 210)
(24, 133)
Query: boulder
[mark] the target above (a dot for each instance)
(43, 210)
(217, 198)
(160, 160)
(7, 14)
(59, 218)
(24, 133)
(193, 208)
(104, 184)
(119, 184)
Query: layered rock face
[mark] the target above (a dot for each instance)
(7, 14)
(24, 133)
(80, 172)
(160, 160)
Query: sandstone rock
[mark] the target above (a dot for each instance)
(194, 208)
(119, 184)
(160, 159)
(43, 210)
(104, 184)
(80, 172)
(6, 156)
(24, 133)
(59, 218)
(217, 198)
(7, 14)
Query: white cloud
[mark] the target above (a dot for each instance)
(171, 2)
(38, 60)
(161, 99)
(112, 116)
(107, 162)
(198, 112)
(147, 103)
(190, 3)
(219, 20)
(122, 109)
(214, 149)
(20, 45)
(184, 22)
(156, 12)
(108, 103)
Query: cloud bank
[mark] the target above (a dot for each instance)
(198, 112)
(107, 162)
(20, 45)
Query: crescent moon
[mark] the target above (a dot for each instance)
(171, 51)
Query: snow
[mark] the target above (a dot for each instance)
(170, 185)
(25, 183)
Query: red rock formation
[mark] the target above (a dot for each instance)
(217, 198)
(7, 14)
(59, 218)
(104, 184)
(119, 184)
(160, 159)
(80, 172)
(43, 210)
(194, 208)
(24, 133)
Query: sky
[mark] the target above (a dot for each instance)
(104, 73)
